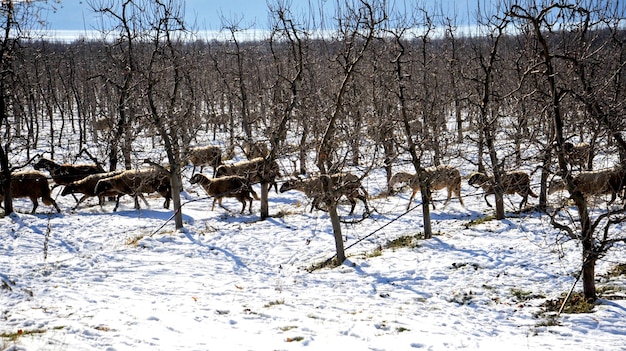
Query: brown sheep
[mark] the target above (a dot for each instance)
(31, 184)
(63, 174)
(87, 187)
(255, 170)
(102, 124)
(515, 182)
(227, 186)
(438, 177)
(253, 150)
(205, 156)
(136, 183)
(344, 184)
(577, 154)
(600, 182)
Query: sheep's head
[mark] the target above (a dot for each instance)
(287, 185)
(400, 178)
(290, 184)
(42, 163)
(568, 147)
(196, 178)
(556, 185)
(477, 179)
(221, 171)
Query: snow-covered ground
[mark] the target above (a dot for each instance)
(92, 279)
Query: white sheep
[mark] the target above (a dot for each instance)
(136, 183)
(343, 184)
(577, 154)
(255, 170)
(205, 156)
(512, 183)
(592, 183)
(437, 177)
(87, 187)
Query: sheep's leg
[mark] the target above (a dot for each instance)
(458, 193)
(243, 204)
(35, 205)
(314, 204)
(432, 202)
(487, 201)
(449, 197)
(219, 202)
(352, 204)
(83, 199)
(73, 195)
(613, 197)
(144, 200)
(242, 197)
(117, 202)
(54, 203)
(363, 197)
(524, 201)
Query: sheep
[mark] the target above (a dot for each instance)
(255, 170)
(32, 184)
(577, 154)
(63, 174)
(205, 155)
(227, 186)
(136, 183)
(255, 149)
(438, 177)
(87, 187)
(600, 182)
(344, 184)
(102, 124)
(515, 182)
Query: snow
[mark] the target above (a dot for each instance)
(93, 279)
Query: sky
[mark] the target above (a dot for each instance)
(77, 14)
(207, 14)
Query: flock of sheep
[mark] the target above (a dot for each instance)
(235, 180)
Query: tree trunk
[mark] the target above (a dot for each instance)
(264, 200)
(5, 177)
(176, 184)
(335, 221)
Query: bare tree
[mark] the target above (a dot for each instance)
(289, 76)
(454, 70)
(125, 17)
(403, 79)
(487, 56)
(164, 78)
(358, 29)
(240, 78)
(578, 24)
(14, 17)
